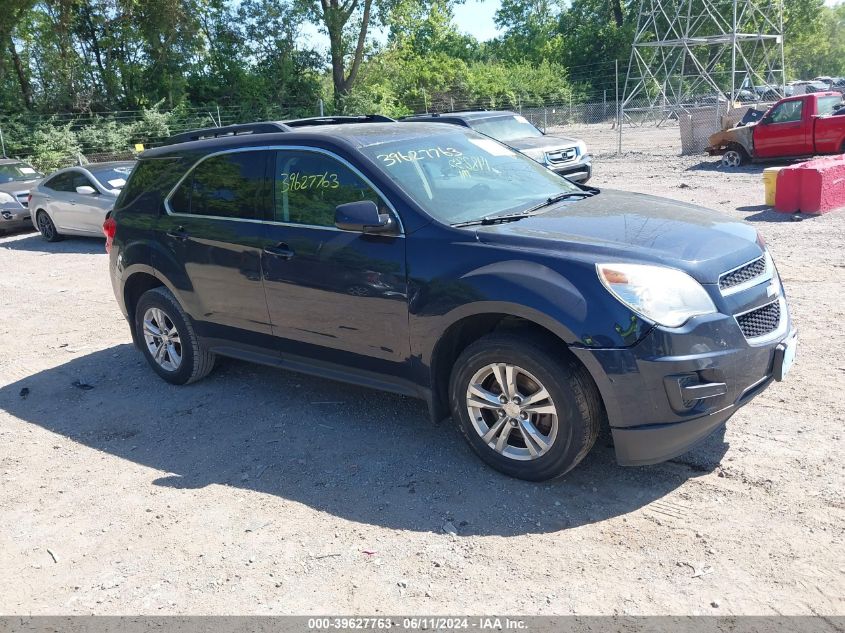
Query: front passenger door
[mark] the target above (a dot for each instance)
(333, 295)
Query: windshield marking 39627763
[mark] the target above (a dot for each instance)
(463, 176)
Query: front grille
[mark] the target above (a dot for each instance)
(562, 155)
(760, 321)
(744, 273)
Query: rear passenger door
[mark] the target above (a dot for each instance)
(333, 295)
(212, 237)
(58, 202)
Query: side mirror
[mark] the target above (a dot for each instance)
(85, 190)
(363, 217)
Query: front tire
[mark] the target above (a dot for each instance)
(46, 227)
(734, 157)
(168, 340)
(526, 408)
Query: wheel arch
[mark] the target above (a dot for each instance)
(737, 146)
(134, 287)
(34, 215)
(467, 329)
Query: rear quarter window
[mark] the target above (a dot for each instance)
(828, 104)
(150, 181)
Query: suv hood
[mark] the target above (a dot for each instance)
(18, 185)
(542, 143)
(624, 226)
(19, 190)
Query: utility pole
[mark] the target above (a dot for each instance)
(733, 65)
(618, 114)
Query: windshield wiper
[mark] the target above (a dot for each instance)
(496, 219)
(512, 217)
(560, 197)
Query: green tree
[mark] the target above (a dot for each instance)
(531, 30)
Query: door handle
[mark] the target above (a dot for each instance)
(178, 234)
(280, 250)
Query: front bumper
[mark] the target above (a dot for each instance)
(14, 218)
(650, 389)
(578, 171)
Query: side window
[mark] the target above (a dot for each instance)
(788, 112)
(61, 182)
(226, 186)
(81, 180)
(309, 185)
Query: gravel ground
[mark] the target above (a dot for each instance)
(261, 491)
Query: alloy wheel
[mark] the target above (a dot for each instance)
(512, 411)
(732, 158)
(45, 225)
(162, 339)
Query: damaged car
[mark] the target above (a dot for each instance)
(794, 127)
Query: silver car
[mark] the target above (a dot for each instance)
(16, 179)
(75, 201)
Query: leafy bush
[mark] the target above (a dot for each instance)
(105, 136)
(400, 81)
(154, 124)
(54, 147)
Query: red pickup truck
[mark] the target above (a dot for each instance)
(794, 127)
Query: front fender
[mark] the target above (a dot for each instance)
(571, 304)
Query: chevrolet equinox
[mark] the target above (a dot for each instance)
(432, 261)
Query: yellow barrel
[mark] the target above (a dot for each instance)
(770, 181)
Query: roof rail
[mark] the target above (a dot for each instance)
(266, 127)
(444, 113)
(335, 120)
(408, 117)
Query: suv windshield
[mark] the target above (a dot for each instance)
(506, 128)
(13, 172)
(463, 176)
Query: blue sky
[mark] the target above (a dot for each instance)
(474, 17)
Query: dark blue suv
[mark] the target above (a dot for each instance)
(432, 261)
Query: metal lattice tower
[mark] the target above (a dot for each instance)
(687, 49)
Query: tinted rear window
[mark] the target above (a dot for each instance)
(148, 184)
(231, 185)
(61, 182)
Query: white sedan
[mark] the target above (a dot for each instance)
(75, 201)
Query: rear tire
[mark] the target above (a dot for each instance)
(551, 411)
(46, 227)
(168, 339)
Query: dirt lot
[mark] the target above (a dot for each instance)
(260, 491)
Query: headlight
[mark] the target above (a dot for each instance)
(582, 148)
(5, 198)
(666, 296)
